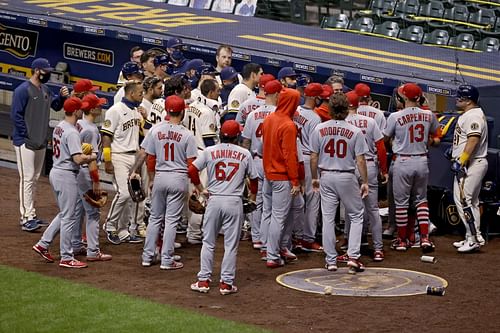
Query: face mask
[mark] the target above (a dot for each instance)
(44, 78)
(177, 55)
(194, 82)
(230, 86)
(292, 85)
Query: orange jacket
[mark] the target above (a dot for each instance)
(279, 135)
(323, 112)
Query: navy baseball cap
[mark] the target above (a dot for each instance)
(194, 64)
(174, 42)
(228, 73)
(286, 72)
(41, 63)
(468, 91)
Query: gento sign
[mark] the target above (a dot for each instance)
(21, 43)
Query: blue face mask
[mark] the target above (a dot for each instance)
(177, 55)
(292, 86)
(194, 82)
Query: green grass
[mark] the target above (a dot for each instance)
(30, 302)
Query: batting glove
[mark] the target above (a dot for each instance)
(459, 169)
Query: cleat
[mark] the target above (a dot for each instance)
(257, 245)
(263, 255)
(343, 258)
(378, 255)
(355, 264)
(174, 265)
(311, 246)
(132, 240)
(426, 245)
(100, 257)
(275, 263)
(30, 226)
(226, 289)
(43, 252)
(331, 267)
(399, 245)
(201, 286)
(72, 264)
(113, 238)
(287, 255)
(469, 246)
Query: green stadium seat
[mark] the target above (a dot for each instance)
(457, 13)
(432, 9)
(464, 41)
(339, 21)
(364, 24)
(437, 37)
(388, 28)
(414, 33)
(488, 44)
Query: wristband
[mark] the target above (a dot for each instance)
(106, 154)
(94, 175)
(464, 158)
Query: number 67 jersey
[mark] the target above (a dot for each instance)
(410, 128)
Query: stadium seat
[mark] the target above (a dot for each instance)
(408, 7)
(437, 37)
(457, 13)
(388, 28)
(383, 6)
(464, 41)
(364, 24)
(489, 44)
(178, 2)
(483, 16)
(432, 9)
(414, 33)
(339, 21)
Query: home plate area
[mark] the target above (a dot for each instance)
(373, 282)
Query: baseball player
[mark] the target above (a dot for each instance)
(83, 87)
(131, 72)
(153, 90)
(174, 149)
(201, 120)
(30, 112)
(229, 79)
(254, 102)
(227, 166)
(207, 71)
(252, 140)
(323, 109)
(67, 156)
(288, 77)
(337, 149)
(365, 109)
(281, 168)
(161, 63)
(251, 74)
(120, 138)
(410, 129)
(306, 120)
(88, 178)
(376, 163)
(470, 149)
(148, 61)
(135, 56)
(175, 85)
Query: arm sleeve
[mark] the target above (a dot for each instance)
(193, 174)
(382, 156)
(151, 163)
(19, 101)
(302, 171)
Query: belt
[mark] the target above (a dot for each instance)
(411, 155)
(306, 153)
(257, 155)
(369, 159)
(126, 152)
(340, 171)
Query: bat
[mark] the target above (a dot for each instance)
(469, 217)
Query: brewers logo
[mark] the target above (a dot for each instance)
(235, 104)
(107, 123)
(474, 126)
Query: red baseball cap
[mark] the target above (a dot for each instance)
(230, 129)
(313, 90)
(273, 87)
(411, 90)
(362, 90)
(174, 104)
(91, 101)
(327, 91)
(265, 78)
(72, 104)
(84, 85)
(353, 99)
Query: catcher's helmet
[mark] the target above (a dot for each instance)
(130, 68)
(469, 92)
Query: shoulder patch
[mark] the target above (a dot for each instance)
(235, 104)
(212, 127)
(474, 126)
(107, 123)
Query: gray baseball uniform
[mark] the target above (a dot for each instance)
(374, 113)
(337, 144)
(63, 178)
(248, 106)
(172, 145)
(227, 165)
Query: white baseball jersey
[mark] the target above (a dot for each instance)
(472, 122)
(410, 128)
(201, 121)
(227, 165)
(248, 106)
(253, 127)
(338, 143)
(370, 130)
(172, 145)
(65, 143)
(123, 125)
(374, 113)
(306, 121)
(157, 112)
(238, 95)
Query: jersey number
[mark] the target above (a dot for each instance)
(258, 131)
(192, 125)
(338, 148)
(220, 171)
(416, 133)
(169, 151)
(56, 149)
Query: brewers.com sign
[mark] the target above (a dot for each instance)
(21, 43)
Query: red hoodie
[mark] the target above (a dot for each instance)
(279, 135)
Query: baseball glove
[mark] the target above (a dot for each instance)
(96, 200)
(135, 189)
(248, 206)
(195, 205)
(87, 148)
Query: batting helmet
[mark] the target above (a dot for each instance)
(161, 59)
(130, 68)
(469, 92)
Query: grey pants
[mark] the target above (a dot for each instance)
(281, 201)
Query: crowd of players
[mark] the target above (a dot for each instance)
(293, 132)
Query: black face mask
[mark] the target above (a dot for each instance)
(44, 78)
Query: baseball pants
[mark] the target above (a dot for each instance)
(65, 186)
(335, 186)
(195, 221)
(29, 165)
(226, 213)
(256, 215)
(281, 202)
(295, 216)
(311, 204)
(266, 212)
